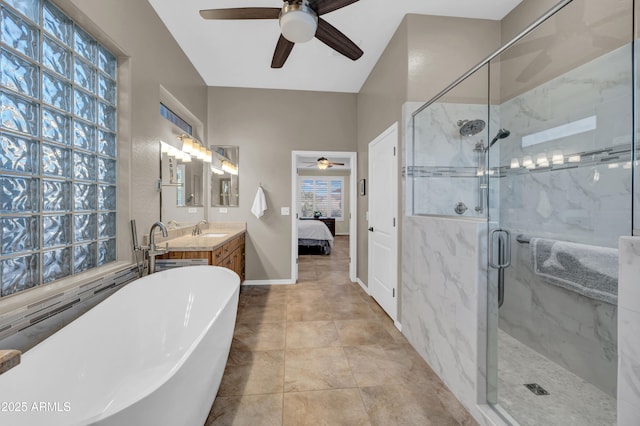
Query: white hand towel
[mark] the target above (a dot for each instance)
(259, 204)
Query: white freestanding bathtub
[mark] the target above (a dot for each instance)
(153, 353)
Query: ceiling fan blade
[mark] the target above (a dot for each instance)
(336, 164)
(242, 13)
(283, 49)
(325, 6)
(332, 37)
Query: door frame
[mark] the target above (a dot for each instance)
(394, 128)
(353, 240)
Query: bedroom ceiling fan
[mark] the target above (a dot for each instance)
(323, 163)
(299, 22)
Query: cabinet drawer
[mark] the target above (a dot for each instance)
(217, 256)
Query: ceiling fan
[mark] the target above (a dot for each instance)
(299, 22)
(323, 163)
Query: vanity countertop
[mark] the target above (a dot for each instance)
(213, 236)
(9, 359)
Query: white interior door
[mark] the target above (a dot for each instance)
(383, 208)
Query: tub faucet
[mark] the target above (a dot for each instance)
(153, 250)
(196, 229)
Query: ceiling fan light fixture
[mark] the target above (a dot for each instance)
(298, 23)
(323, 163)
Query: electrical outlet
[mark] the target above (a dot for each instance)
(284, 211)
(223, 209)
(193, 210)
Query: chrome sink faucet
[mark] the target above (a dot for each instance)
(196, 229)
(153, 250)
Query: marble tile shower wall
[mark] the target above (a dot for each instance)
(587, 204)
(439, 152)
(628, 332)
(440, 300)
(25, 327)
(576, 332)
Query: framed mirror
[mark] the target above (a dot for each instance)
(224, 176)
(181, 185)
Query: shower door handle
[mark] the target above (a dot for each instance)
(504, 257)
(504, 249)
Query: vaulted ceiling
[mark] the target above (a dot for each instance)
(237, 53)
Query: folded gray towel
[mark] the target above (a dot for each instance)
(588, 270)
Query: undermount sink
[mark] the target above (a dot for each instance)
(213, 235)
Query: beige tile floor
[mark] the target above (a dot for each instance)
(322, 352)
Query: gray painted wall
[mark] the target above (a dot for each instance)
(267, 125)
(379, 106)
(425, 55)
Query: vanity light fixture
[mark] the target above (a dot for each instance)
(207, 158)
(542, 160)
(515, 164)
(187, 144)
(557, 157)
(528, 162)
(574, 159)
(194, 148)
(186, 158)
(216, 171)
(229, 167)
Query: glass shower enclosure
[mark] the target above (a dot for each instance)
(538, 142)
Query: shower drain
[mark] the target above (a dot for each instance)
(536, 389)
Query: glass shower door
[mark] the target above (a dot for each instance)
(559, 199)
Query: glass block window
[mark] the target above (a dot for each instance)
(57, 147)
(321, 194)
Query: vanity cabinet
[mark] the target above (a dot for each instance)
(228, 255)
(231, 256)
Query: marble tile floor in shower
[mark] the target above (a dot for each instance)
(571, 400)
(322, 352)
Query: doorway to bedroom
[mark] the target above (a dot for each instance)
(323, 194)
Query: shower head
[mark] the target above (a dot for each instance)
(470, 127)
(502, 133)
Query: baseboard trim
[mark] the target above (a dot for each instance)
(363, 285)
(398, 325)
(342, 233)
(268, 282)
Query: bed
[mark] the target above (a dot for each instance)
(314, 237)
